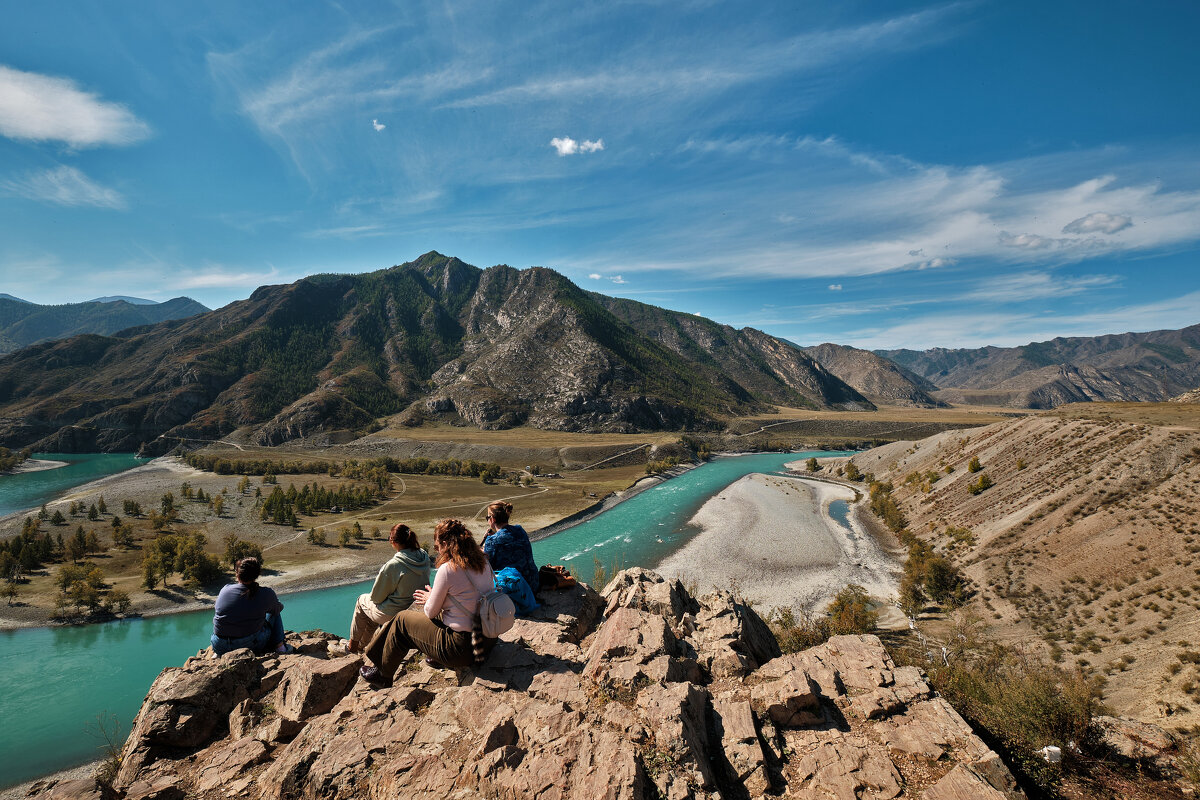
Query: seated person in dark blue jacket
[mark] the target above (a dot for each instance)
(247, 615)
(507, 545)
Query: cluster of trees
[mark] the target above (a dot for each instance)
(82, 587)
(661, 465)
(375, 469)
(237, 549)
(9, 459)
(928, 575)
(183, 553)
(282, 506)
(32, 549)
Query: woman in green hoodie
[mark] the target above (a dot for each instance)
(403, 574)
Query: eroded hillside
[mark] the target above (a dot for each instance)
(1084, 545)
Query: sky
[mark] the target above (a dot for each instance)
(877, 174)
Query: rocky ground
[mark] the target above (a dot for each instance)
(641, 692)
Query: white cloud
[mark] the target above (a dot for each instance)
(595, 276)
(64, 186)
(618, 279)
(1098, 222)
(377, 125)
(566, 146)
(835, 287)
(39, 108)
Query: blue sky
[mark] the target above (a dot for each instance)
(879, 174)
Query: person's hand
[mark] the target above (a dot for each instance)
(421, 595)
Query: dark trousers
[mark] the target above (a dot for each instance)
(412, 630)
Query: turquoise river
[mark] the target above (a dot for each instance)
(55, 682)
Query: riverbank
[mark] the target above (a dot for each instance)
(772, 540)
(35, 465)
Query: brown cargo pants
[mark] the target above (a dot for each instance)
(412, 630)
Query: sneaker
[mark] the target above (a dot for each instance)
(434, 664)
(284, 648)
(339, 648)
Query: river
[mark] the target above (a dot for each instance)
(55, 682)
(22, 490)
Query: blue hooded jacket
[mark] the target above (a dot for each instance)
(509, 547)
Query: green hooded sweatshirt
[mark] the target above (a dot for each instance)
(402, 575)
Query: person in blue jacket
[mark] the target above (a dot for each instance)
(507, 544)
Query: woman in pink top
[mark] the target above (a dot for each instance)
(442, 619)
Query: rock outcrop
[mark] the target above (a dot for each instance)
(640, 692)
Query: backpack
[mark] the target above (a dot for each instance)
(497, 612)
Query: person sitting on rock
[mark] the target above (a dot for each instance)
(443, 623)
(405, 573)
(507, 544)
(247, 615)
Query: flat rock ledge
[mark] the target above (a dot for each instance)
(640, 692)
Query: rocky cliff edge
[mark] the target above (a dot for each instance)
(639, 692)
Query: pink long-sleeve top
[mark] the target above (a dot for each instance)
(465, 587)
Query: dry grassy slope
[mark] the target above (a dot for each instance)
(1089, 551)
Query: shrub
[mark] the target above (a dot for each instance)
(974, 465)
(851, 611)
(981, 484)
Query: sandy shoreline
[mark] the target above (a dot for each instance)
(772, 540)
(35, 465)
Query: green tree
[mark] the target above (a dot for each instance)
(58, 518)
(9, 590)
(852, 472)
(316, 537)
(811, 464)
(974, 465)
(118, 600)
(101, 506)
(93, 512)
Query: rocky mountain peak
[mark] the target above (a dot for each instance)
(642, 691)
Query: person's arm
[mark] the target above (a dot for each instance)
(276, 606)
(437, 595)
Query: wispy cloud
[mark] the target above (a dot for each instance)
(377, 125)
(37, 107)
(219, 277)
(835, 287)
(64, 186)
(347, 232)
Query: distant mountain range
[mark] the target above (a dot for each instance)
(438, 339)
(433, 338)
(23, 323)
(136, 301)
(1154, 366)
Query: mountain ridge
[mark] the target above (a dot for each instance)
(23, 323)
(432, 338)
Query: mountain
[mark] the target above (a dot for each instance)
(1152, 366)
(435, 338)
(23, 323)
(875, 377)
(136, 301)
(7, 296)
(773, 370)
